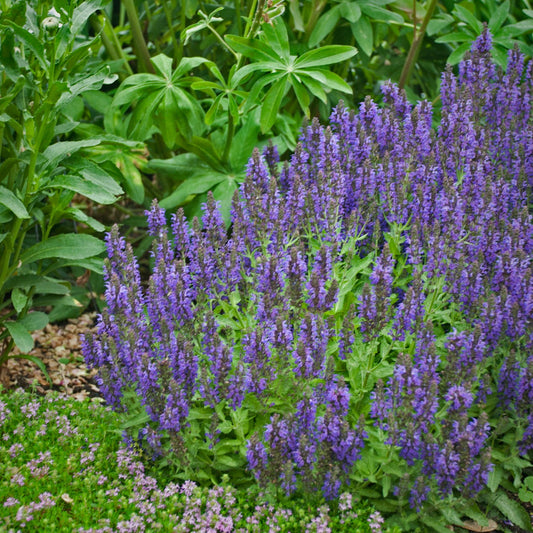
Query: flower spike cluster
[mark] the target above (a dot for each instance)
(380, 277)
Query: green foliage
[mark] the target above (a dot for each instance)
(69, 454)
(47, 65)
(251, 61)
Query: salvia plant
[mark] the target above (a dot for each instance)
(366, 321)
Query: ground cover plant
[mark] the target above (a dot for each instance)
(366, 323)
(64, 469)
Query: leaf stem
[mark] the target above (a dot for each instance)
(175, 44)
(415, 45)
(229, 137)
(143, 55)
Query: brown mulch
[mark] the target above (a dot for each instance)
(58, 346)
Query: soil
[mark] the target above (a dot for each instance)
(58, 346)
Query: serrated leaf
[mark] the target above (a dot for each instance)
(20, 336)
(66, 246)
(512, 510)
(8, 199)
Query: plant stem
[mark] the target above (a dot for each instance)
(316, 11)
(175, 44)
(229, 137)
(142, 53)
(101, 25)
(415, 45)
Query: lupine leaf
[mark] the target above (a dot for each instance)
(272, 103)
(324, 25)
(325, 55)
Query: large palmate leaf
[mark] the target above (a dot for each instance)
(160, 99)
(308, 73)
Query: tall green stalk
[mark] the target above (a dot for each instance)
(418, 37)
(139, 44)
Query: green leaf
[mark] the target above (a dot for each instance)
(364, 35)
(521, 27)
(512, 510)
(272, 103)
(41, 284)
(495, 477)
(83, 187)
(89, 83)
(132, 179)
(456, 37)
(329, 79)
(55, 153)
(136, 87)
(66, 246)
(227, 462)
(326, 55)
(301, 94)
(36, 361)
(244, 142)
(325, 25)
(30, 41)
(380, 14)
(434, 523)
(468, 18)
(458, 53)
(81, 14)
(9, 199)
(223, 193)
(252, 48)
(96, 174)
(350, 11)
(276, 37)
(163, 65)
(20, 336)
(498, 17)
(187, 64)
(195, 185)
(315, 87)
(34, 321)
(19, 299)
